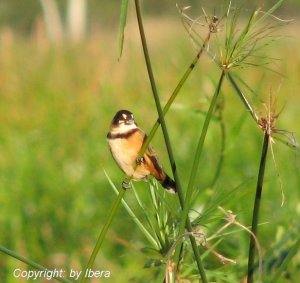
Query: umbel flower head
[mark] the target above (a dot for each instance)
(267, 124)
(236, 43)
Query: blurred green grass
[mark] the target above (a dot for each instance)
(56, 104)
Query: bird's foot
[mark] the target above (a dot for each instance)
(140, 160)
(126, 185)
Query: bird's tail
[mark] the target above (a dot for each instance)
(169, 185)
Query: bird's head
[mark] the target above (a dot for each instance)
(123, 120)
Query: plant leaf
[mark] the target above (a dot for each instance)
(123, 19)
(132, 214)
(269, 12)
(153, 263)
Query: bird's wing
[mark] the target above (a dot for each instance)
(152, 161)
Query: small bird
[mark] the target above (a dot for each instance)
(125, 140)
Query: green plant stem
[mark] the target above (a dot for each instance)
(154, 89)
(103, 233)
(30, 263)
(176, 91)
(201, 142)
(257, 201)
(133, 215)
(142, 151)
(147, 142)
(186, 207)
(242, 97)
(166, 136)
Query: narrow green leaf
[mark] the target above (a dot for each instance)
(242, 96)
(221, 197)
(153, 263)
(248, 26)
(30, 263)
(269, 12)
(230, 34)
(123, 18)
(103, 233)
(133, 215)
(242, 38)
(147, 214)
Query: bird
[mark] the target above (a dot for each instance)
(125, 140)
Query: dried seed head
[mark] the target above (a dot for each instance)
(268, 124)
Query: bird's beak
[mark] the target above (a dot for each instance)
(130, 122)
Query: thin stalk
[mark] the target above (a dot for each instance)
(176, 91)
(31, 263)
(186, 207)
(143, 149)
(132, 214)
(166, 136)
(256, 207)
(153, 131)
(103, 233)
(242, 97)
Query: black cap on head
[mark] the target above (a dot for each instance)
(124, 116)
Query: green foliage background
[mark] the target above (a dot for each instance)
(56, 104)
(22, 14)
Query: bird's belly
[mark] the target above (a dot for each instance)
(125, 157)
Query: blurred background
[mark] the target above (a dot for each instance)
(61, 83)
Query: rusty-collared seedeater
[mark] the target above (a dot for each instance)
(125, 140)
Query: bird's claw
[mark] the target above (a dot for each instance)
(140, 160)
(126, 185)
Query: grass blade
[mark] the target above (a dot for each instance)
(31, 263)
(132, 214)
(269, 12)
(123, 19)
(103, 233)
(242, 97)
